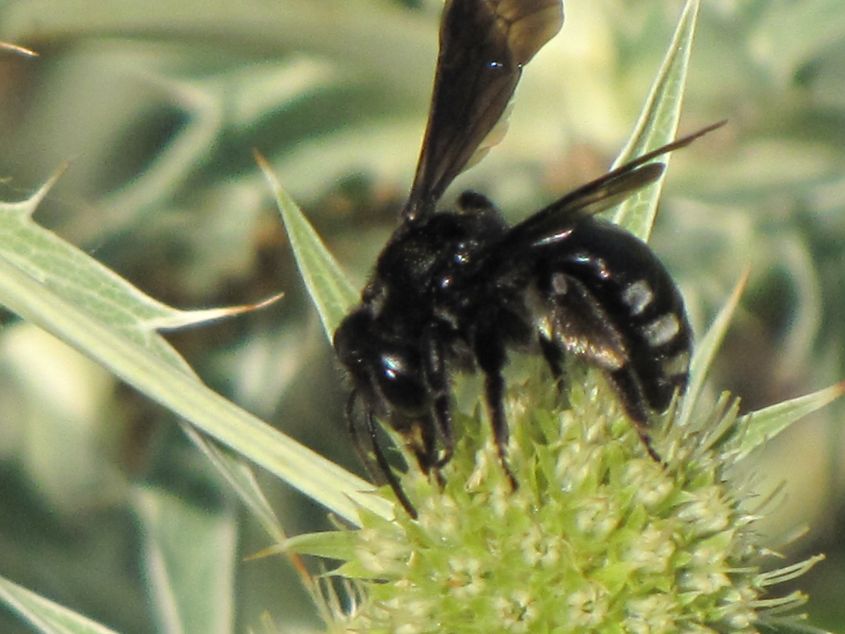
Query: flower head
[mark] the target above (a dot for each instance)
(597, 537)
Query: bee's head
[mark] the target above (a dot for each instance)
(385, 368)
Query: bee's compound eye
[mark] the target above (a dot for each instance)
(400, 380)
(352, 338)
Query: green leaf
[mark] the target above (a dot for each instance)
(764, 424)
(61, 269)
(708, 346)
(320, 479)
(189, 558)
(39, 280)
(328, 286)
(326, 544)
(71, 273)
(658, 123)
(45, 615)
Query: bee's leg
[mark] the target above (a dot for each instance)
(584, 328)
(384, 466)
(553, 354)
(631, 395)
(357, 441)
(490, 355)
(494, 386)
(438, 382)
(425, 449)
(380, 459)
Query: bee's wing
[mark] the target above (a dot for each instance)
(483, 47)
(552, 222)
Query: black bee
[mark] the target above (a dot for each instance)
(455, 290)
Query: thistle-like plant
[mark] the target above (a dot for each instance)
(597, 538)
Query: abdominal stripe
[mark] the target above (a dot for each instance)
(661, 330)
(638, 296)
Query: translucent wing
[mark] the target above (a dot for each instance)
(483, 46)
(553, 222)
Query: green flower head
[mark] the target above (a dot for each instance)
(597, 537)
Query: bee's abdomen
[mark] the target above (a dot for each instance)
(637, 300)
(659, 334)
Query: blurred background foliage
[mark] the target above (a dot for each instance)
(158, 105)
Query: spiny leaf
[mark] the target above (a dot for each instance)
(658, 123)
(327, 544)
(320, 479)
(189, 555)
(708, 346)
(329, 288)
(764, 424)
(74, 297)
(77, 277)
(58, 267)
(46, 615)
